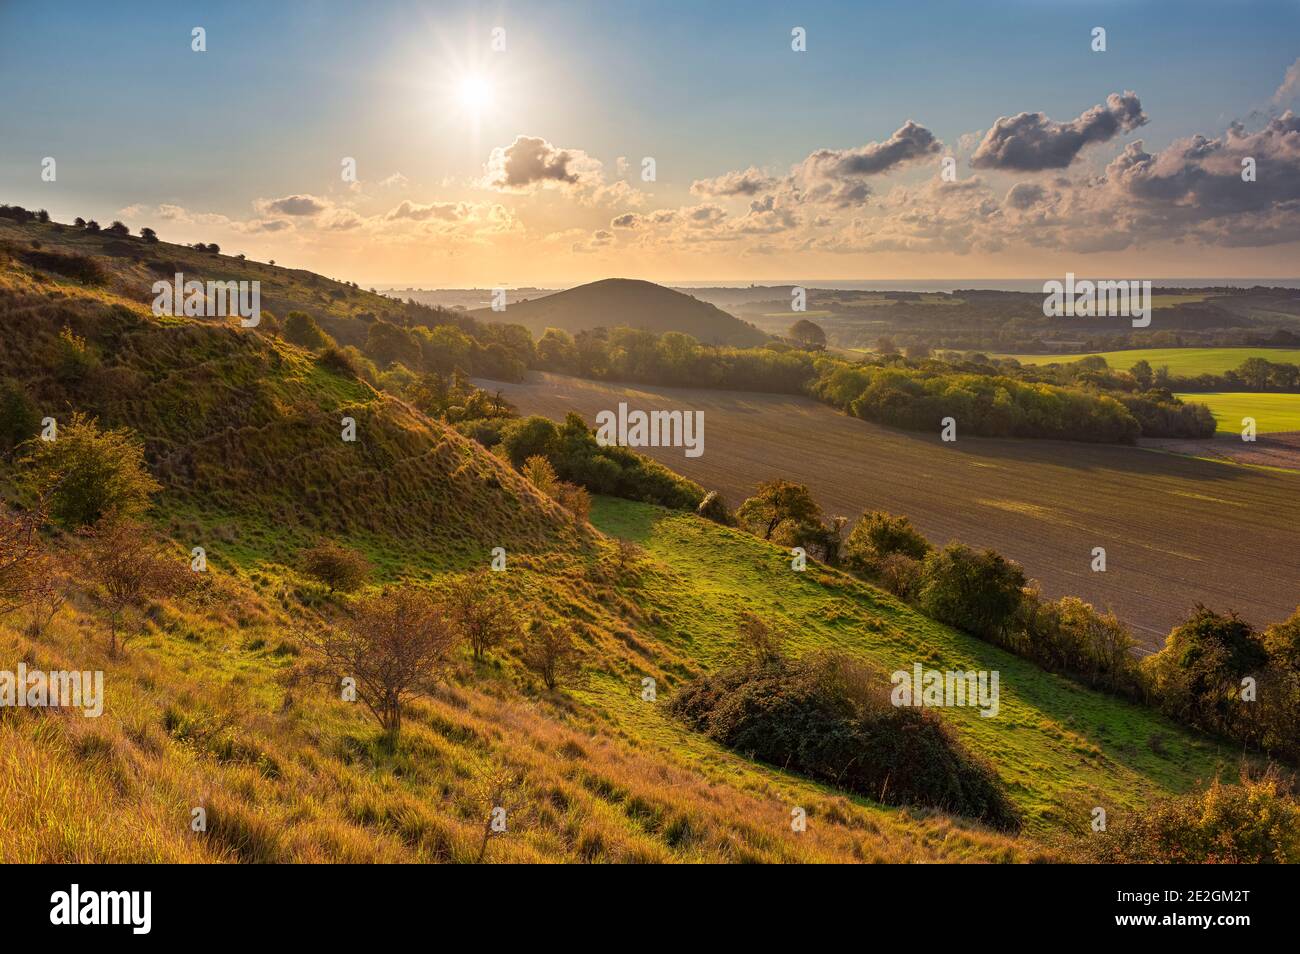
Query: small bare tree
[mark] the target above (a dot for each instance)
(551, 654)
(393, 644)
(758, 641)
(481, 616)
(627, 554)
(126, 566)
(20, 550)
(499, 790)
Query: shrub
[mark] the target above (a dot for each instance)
(714, 507)
(1197, 677)
(878, 534)
(830, 718)
(574, 499)
(81, 268)
(899, 574)
(338, 361)
(977, 592)
(126, 566)
(393, 644)
(1257, 822)
(18, 418)
(776, 502)
(481, 616)
(301, 329)
(550, 654)
(540, 473)
(338, 567)
(1070, 637)
(87, 474)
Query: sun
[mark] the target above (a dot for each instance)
(474, 93)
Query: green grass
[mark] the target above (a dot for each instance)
(1180, 361)
(1058, 748)
(1272, 412)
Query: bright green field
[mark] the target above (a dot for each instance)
(1183, 361)
(1272, 412)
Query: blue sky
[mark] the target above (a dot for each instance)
(138, 121)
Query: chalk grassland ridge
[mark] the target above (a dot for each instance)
(1177, 531)
(207, 709)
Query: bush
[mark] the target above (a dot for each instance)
(301, 329)
(18, 418)
(1197, 677)
(899, 574)
(777, 502)
(551, 654)
(338, 361)
(976, 592)
(126, 565)
(574, 499)
(338, 567)
(714, 507)
(830, 718)
(573, 451)
(877, 535)
(482, 617)
(1257, 822)
(1068, 636)
(81, 268)
(87, 474)
(393, 644)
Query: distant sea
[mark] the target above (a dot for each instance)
(988, 284)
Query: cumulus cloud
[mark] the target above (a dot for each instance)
(1290, 87)
(531, 162)
(1030, 142)
(749, 182)
(837, 176)
(304, 205)
(1197, 183)
(447, 211)
(1025, 194)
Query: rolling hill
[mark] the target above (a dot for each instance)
(212, 706)
(616, 302)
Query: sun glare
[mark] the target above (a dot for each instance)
(474, 93)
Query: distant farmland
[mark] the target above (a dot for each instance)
(1273, 413)
(1177, 531)
(1183, 361)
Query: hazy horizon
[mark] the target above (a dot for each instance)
(550, 145)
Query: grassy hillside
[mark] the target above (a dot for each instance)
(211, 706)
(636, 304)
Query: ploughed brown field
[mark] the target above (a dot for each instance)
(1177, 531)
